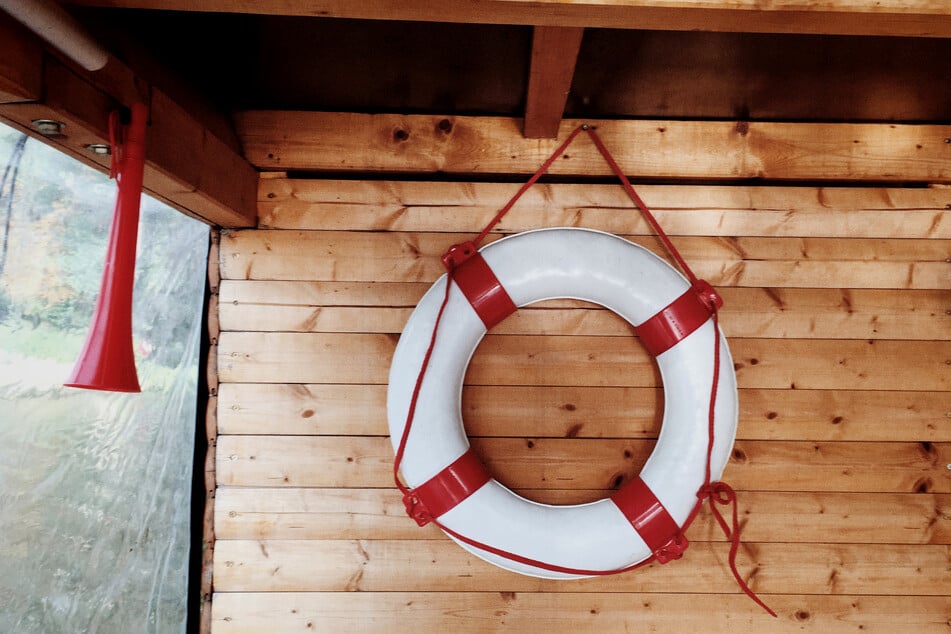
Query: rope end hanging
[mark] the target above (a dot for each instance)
(723, 494)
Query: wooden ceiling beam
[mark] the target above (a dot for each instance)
(21, 66)
(923, 18)
(186, 165)
(554, 53)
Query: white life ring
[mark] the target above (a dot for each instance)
(632, 282)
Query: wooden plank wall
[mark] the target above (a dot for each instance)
(837, 312)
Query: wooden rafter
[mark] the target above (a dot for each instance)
(21, 73)
(554, 53)
(187, 165)
(924, 18)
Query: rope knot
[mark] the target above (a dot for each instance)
(719, 492)
(723, 494)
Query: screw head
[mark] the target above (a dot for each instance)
(99, 149)
(48, 127)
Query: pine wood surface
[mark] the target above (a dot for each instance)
(769, 516)
(586, 412)
(427, 144)
(246, 357)
(860, 212)
(742, 261)
(747, 312)
(592, 463)
(478, 612)
(554, 53)
(836, 314)
(440, 565)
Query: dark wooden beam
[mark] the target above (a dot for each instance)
(21, 67)
(554, 53)
(187, 166)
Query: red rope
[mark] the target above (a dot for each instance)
(538, 174)
(640, 203)
(721, 492)
(717, 492)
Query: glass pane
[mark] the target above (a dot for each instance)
(94, 486)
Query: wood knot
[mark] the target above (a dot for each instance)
(923, 485)
(445, 125)
(400, 134)
(742, 128)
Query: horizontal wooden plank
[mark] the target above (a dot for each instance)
(595, 464)
(369, 246)
(570, 612)
(441, 565)
(428, 144)
(928, 18)
(573, 412)
(757, 262)
(589, 361)
(883, 518)
(841, 212)
(747, 312)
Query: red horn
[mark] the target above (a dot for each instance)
(107, 361)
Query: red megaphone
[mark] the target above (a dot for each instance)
(107, 361)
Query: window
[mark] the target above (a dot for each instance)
(95, 487)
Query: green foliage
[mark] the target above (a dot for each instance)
(94, 486)
(41, 342)
(59, 233)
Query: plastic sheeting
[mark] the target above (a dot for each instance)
(94, 486)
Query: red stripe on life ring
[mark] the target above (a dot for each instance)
(651, 520)
(479, 284)
(678, 319)
(445, 490)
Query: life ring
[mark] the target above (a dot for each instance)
(645, 517)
